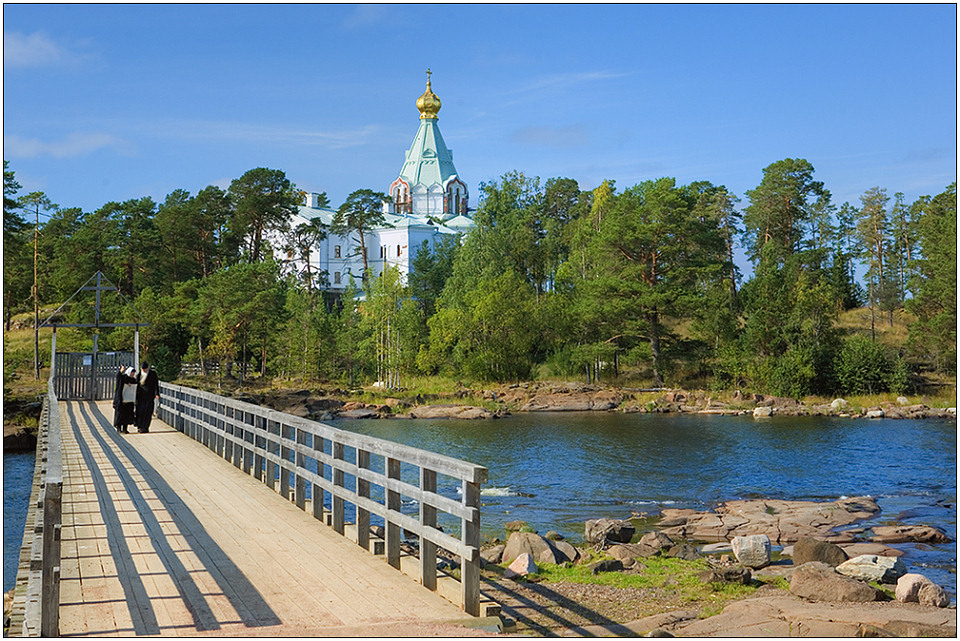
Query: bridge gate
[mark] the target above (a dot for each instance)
(88, 376)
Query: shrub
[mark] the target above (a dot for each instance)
(866, 367)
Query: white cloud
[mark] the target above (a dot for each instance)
(264, 134)
(74, 145)
(35, 50)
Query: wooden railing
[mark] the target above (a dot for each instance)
(354, 475)
(36, 608)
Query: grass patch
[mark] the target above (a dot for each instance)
(677, 576)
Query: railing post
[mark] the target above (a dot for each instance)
(284, 472)
(428, 517)
(393, 531)
(300, 483)
(316, 490)
(363, 489)
(339, 481)
(270, 480)
(470, 568)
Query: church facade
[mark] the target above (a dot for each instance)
(426, 201)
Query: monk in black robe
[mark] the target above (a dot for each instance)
(148, 391)
(125, 399)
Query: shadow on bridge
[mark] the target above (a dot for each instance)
(246, 601)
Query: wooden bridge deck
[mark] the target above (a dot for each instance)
(163, 537)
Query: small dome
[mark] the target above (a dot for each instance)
(428, 103)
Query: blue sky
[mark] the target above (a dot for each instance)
(110, 102)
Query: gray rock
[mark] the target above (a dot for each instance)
(932, 594)
(716, 548)
(604, 530)
(808, 549)
(870, 567)
(524, 543)
(762, 412)
(903, 400)
(656, 539)
(553, 536)
(839, 404)
(569, 552)
(492, 555)
(683, 551)
(728, 574)
(820, 582)
(606, 565)
(752, 551)
(875, 413)
(626, 551)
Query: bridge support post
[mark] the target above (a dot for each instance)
(470, 568)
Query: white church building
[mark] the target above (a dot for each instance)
(427, 200)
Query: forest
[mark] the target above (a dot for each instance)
(633, 286)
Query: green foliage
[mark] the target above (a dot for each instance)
(866, 367)
(933, 338)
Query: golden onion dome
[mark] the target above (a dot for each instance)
(428, 103)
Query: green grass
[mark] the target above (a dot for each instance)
(677, 576)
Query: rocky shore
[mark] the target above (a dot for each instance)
(828, 577)
(574, 397)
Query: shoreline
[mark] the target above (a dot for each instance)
(499, 402)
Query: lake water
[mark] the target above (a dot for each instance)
(17, 482)
(557, 470)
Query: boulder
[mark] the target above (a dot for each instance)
(549, 556)
(875, 413)
(727, 574)
(604, 530)
(656, 539)
(492, 555)
(870, 567)
(626, 551)
(903, 400)
(820, 582)
(908, 533)
(683, 551)
(514, 526)
(524, 543)
(569, 552)
(908, 587)
(606, 565)
(716, 548)
(839, 404)
(933, 595)
(762, 411)
(553, 536)
(783, 521)
(808, 549)
(450, 411)
(752, 551)
(521, 566)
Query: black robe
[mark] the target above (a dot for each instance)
(123, 413)
(148, 389)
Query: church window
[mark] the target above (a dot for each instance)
(336, 251)
(336, 278)
(398, 250)
(382, 252)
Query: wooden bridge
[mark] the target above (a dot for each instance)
(229, 519)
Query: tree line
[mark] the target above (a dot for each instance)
(638, 284)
